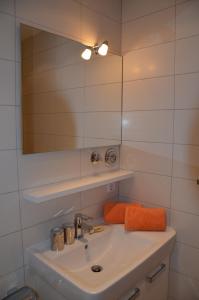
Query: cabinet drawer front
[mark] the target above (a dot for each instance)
(152, 276)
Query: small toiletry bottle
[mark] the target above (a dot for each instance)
(69, 233)
(57, 239)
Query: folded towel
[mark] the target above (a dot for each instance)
(145, 219)
(114, 212)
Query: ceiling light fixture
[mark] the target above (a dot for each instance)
(97, 49)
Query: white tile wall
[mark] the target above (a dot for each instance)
(148, 126)
(103, 97)
(103, 125)
(11, 281)
(186, 161)
(153, 93)
(187, 91)
(7, 6)
(158, 108)
(147, 157)
(186, 127)
(185, 195)
(183, 287)
(152, 189)
(187, 55)
(9, 210)
(7, 36)
(187, 21)
(152, 29)
(8, 174)
(149, 62)
(105, 7)
(138, 8)
(7, 82)
(187, 227)
(12, 259)
(31, 215)
(23, 223)
(182, 263)
(153, 161)
(103, 70)
(7, 127)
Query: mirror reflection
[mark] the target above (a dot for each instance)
(67, 102)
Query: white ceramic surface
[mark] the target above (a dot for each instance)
(125, 257)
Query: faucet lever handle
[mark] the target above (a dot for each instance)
(85, 217)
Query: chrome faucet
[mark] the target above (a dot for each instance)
(80, 226)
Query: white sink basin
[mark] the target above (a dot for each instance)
(124, 256)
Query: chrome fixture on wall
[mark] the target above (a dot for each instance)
(111, 156)
(95, 157)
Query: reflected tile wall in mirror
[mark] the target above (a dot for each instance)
(67, 103)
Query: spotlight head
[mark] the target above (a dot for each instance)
(103, 49)
(87, 53)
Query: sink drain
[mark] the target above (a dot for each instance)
(96, 268)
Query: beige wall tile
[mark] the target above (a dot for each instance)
(7, 128)
(187, 91)
(153, 29)
(187, 55)
(7, 6)
(104, 125)
(182, 263)
(8, 171)
(149, 62)
(183, 287)
(156, 189)
(148, 126)
(98, 195)
(185, 195)
(133, 9)
(187, 21)
(9, 213)
(105, 7)
(103, 97)
(12, 259)
(186, 127)
(104, 70)
(7, 36)
(186, 161)
(147, 157)
(10, 281)
(39, 169)
(62, 16)
(186, 226)
(155, 93)
(47, 211)
(7, 82)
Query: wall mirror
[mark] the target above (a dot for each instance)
(67, 102)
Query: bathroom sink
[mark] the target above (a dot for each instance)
(112, 259)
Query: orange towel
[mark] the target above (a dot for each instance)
(114, 212)
(145, 219)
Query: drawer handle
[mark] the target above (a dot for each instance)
(136, 293)
(150, 278)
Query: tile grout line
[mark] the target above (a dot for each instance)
(126, 51)
(17, 154)
(173, 124)
(149, 14)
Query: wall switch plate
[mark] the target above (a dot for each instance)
(110, 187)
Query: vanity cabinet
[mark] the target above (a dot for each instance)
(137, 270)
(154, 286)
